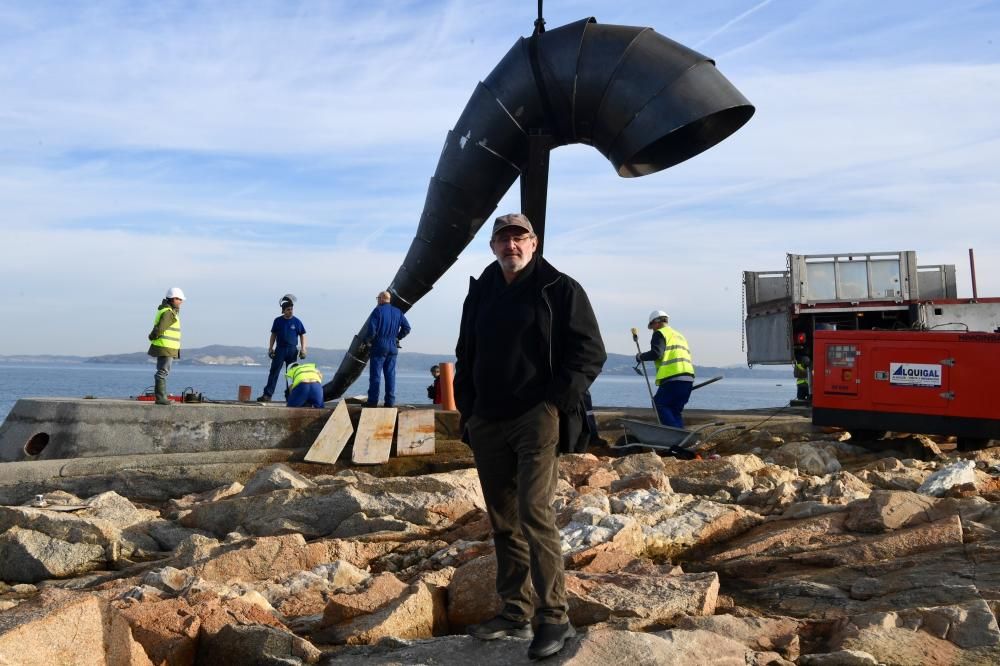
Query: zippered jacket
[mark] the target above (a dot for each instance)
(569, 331)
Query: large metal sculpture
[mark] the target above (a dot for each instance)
(646, 102)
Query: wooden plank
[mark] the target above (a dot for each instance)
(333, 437)
(415, 433)
(373, 440)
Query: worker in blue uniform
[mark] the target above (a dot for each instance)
(386, 327)
(286, 346)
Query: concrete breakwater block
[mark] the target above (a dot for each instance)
(57, 428)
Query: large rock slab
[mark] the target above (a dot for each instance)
(807, 458)
(472, 596)
(258, 559)
(433, 500)
(733, 474)
(60, 627)
(762, 634)
(639, 601)
(598, 647)
(27, 556)
(957, 474)
(239, 644)
(965, 634)
(421, 612)
(168, 629)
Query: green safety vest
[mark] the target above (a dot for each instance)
(170, 338)
(304, 372)
(804, 379)
(676, 358)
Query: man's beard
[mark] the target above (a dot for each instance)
(513, 263)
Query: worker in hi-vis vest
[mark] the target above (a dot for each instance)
(305, 385)
(165, 340)
(801, 372)
(674, 369)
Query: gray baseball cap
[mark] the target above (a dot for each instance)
(512, 220)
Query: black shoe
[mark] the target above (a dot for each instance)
(499, 627)
(549, 639)
(264, 398)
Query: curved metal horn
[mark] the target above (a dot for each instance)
(645, 101)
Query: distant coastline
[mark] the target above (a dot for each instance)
(230, 356)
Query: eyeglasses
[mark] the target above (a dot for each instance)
(518, 240)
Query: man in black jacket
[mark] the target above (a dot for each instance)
(528, 349)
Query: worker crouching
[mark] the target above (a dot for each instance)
(305, 385)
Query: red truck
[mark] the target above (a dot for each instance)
(889, 344)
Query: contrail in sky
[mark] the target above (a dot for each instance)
(729, 24)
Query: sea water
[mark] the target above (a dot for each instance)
(100, 380)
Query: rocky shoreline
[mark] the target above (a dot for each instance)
(791, 548)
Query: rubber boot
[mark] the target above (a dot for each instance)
(160, 390)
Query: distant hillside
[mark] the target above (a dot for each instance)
(227, 355)
(42, 358)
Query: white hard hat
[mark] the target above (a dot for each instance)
(287, 297)
(656, 314)
(175, 292)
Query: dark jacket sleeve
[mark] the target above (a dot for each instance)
(465, 354)
(657, 346)
(582, 352)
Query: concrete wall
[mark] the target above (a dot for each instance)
(58, 428)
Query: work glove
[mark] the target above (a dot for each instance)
(302, 353)
(638, 358)
(152, 336)
(399, 343)
(271, 353)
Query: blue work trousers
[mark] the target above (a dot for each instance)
(378, 366)
(670, 399)
(306, 394)
(282, 356)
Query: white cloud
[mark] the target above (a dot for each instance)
(242, 151)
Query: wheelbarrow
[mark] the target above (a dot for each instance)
(678, 442)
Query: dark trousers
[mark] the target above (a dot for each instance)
(306, 394)
(517, 464)
(670, 399)
(802, 391)
(282, 356)
(382, 365)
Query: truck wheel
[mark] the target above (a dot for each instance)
(972, 443)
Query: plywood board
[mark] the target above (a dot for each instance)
(333, 437)
(415, 433)
(373, 440)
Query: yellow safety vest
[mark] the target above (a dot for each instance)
(170, 338)
(304, 372)
(676, 358)
(804, 379)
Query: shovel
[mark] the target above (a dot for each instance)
(635, 338)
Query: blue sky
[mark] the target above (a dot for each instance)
(248, 149)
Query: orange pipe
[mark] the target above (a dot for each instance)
(447, 386)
